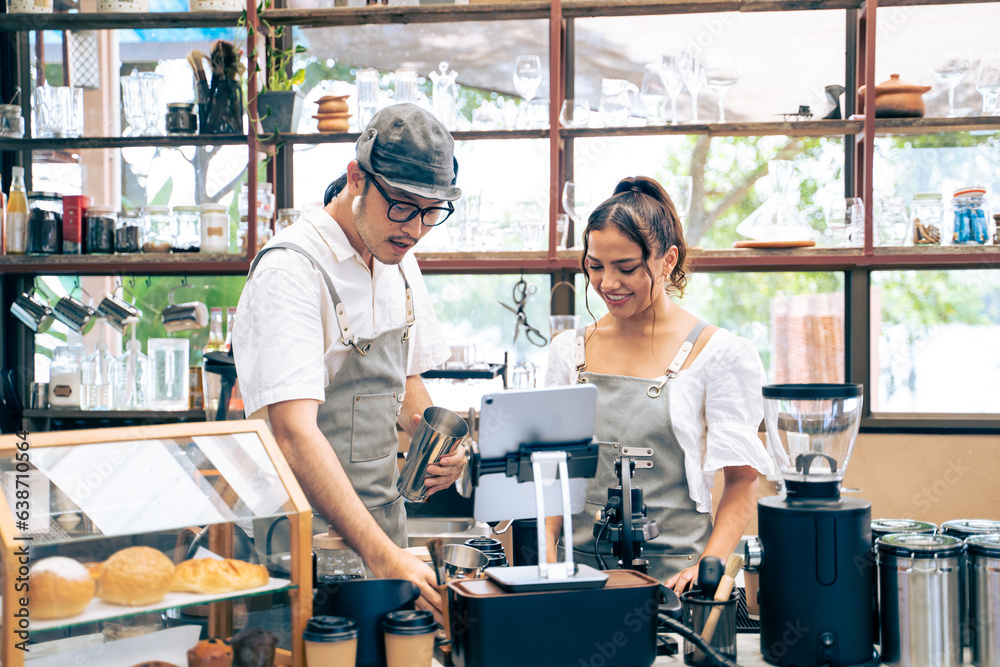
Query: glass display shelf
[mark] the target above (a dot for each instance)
(98, 610)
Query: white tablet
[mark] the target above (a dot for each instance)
(512, 418)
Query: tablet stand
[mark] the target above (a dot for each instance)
(532, 462)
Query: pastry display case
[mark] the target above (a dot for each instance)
(123, 546)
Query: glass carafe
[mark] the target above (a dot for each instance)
(130, 377)
(616, 101)
(777, 219)
(445, 95)
(168, 374)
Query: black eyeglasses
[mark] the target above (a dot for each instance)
(401, 211)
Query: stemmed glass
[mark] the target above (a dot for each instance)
(679, 188)
(988, 82)
(672, 80)
(721, 74)
(577, 204)
(949, 69)
(693, 75)
(653, 92)
(527, 76)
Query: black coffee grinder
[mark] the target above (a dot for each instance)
(814, 547)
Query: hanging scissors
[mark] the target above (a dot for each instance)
(520, 293)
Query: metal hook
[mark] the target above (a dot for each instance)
(149, 283)
(131, 281)
(184, 280)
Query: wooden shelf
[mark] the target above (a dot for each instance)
(588, 8)
(805, 128)
(351, 137)
(350, 16)
(894, 126)
(118, 21)
(83, 143)
(150, 263)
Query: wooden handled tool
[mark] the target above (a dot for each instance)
(722, 593)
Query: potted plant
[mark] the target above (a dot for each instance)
(279, 105)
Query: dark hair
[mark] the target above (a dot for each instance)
(338, 185)
(642, 210)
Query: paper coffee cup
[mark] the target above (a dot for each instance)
(409, 638)
(330, 640)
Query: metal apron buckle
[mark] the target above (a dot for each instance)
(655, 390)
(363, 351)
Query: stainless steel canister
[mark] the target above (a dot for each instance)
(919, 587)
(983, 555)
(437, 435)
(962, 529)
(881, 528)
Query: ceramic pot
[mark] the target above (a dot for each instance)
(896, 99)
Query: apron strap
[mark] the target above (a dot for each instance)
(686, 347)
(347, 336)
(580, 352)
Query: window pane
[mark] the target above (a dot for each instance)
(937, 346)
(733, 179)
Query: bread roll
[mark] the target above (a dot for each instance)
(210, 575)
(59, 588)
(212, 652)
(135, 576)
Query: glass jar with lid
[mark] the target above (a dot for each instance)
(892, 227)
(99, 230)
(286, 218)
(11, 121)
(188, 229)
(969, 214)
(44, 223)
(159, 228)
(214, 228)
(335, 561)
(928, 216)
(128, 232)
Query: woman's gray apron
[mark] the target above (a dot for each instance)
(363, 402)
(635, 412)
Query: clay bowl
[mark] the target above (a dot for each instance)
(896, 99)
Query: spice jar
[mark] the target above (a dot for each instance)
(181, 118)
(128, 232)
(11, 121)
(286, 217)
(214, 228)
(187, 224)
(159, 229)
(928, 216)
(44, 223)
(969, 216)
(99, 230)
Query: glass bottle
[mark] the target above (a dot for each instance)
(17, 214)
(64, 378)
(335, 561)
(216, 339)
(95, 379)
(130, 377)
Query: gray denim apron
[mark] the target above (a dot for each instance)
(635, 412)
(363, 402)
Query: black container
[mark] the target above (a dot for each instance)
(525, 542)
(815, 581)
(99, 230)
(367, 601)
(181, 118)
(491, 547)
(44, 232)
(614, 626)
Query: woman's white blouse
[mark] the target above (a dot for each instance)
(715, 405)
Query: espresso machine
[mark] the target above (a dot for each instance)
(813, 553)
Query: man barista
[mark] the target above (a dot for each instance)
(335, 326)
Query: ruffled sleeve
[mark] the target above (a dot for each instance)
(734, 409)
(560, 369)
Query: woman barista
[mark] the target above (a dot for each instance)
(667, 381)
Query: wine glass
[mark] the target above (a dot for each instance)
(988, 82)
(721, 74)
(527, 76)
(577, 203)
(693, 75)
(679, 188)
(653, 92)
(949, 69)
(671, 73)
